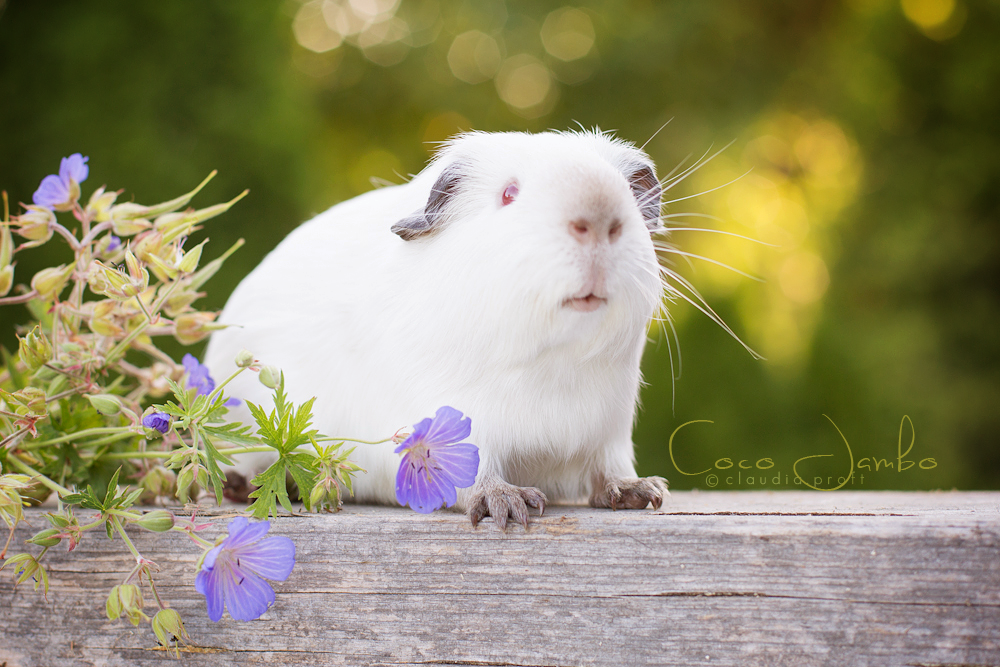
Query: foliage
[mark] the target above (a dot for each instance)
(93, 410)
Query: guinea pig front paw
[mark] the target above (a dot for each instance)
(630, 493)
(500, 500)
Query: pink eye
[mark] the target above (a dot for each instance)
(509, 194)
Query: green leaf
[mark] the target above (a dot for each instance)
(271, 489)
(233, 432)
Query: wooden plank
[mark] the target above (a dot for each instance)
(716, 578)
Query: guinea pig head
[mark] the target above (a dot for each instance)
(552, 230)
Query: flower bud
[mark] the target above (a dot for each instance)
(132, 603)
(178, 302)
(244, 359)
(45, 538)
(168, 622)
(6, 245)
(113, 605)
(35, 350)
(270, 376)
(160, 482)
(36, 225)
(107, 404)
(50, 282)
(27, 402)
(189, 263)
(6, 279)
(99, 206)
(157, 423)
(185, 478)
(101, 321)
(190, 328)
(158, 521)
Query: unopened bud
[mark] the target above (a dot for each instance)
(99, 206)
(45, 538)
(50, 282)
(131, 602)
(6, 279)
(36, 225)
(35, 350)
(113, 606)
(168, 622)
(158, 521)
(185, 478)
(270, 376)
(27, 402)
(160, 482)
(189, 263)
(6, 245)
(189, 328)
(106, 404)
(244, 358)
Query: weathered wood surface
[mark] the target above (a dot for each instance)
(715, 578)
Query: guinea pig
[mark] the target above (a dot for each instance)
(514, 279)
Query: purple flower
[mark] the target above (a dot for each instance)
(434, 465)
(114, 243)
(158, 421)
(60, 191)
(199, 378)
(231, 572)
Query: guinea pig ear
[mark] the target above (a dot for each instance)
(648, 191)
(431, 218)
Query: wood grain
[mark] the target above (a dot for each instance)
(715, 578)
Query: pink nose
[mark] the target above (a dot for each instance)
(586, 231)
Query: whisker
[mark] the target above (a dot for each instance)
(674, 251)
(674, 170)
(695, 167)
(643, 147)
(674, 201)
(719, 231)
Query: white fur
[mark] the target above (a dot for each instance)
(384, 331)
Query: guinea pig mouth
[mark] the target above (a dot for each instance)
(585, 304)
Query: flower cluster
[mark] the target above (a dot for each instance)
(88, 375)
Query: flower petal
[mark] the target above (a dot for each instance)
(74, 167)
(413, 488)
(209, 585)
(420, 430)
(208, 562)
(272, 557)
(247, 595)
(460, 463)
(242, 532)
(51, 192)
(448, 426)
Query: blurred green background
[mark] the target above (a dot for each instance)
(871, 128)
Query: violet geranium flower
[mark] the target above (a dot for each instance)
(59, 192)
(436, 462)
(199, 378)
(158, 421)
(231, 573)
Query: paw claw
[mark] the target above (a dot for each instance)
(501, 501)
(634, 493)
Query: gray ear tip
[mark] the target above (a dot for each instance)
(411, 227)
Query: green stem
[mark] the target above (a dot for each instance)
(149, 575)
(194, 537)
(123, 345)
(218, 390)
(121, 531)
(28, 470)
(103, 430)
(363, 442)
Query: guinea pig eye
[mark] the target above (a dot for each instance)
(509, 194)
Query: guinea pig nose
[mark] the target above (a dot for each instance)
(586, 231)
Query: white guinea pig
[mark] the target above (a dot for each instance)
(513, 279)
